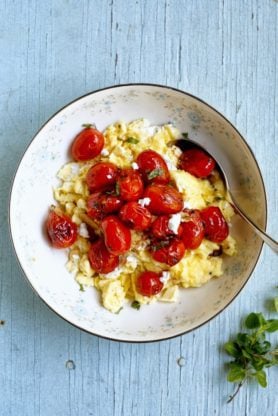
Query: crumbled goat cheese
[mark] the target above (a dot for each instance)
(144, 202)
(165, 277)
(83, 231)
(104, 152)
(132, 260)
(112, 275)
(134, 166)
(174, 223)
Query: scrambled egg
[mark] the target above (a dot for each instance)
(197, 266)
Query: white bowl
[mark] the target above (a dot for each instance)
(31, 196)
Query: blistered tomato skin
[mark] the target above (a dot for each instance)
(135, 216)
(160, 228)
(61, 230)
(101, 260)
(101, 176)
(149, 284)
(153, 167)
(216, 227)
(99, 205)
(130, 185)
(193, 230)
(87, 144)
(197, 162)
(171, 253)
(117, 236)
(164, 199)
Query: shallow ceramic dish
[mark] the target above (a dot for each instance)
(31, 196)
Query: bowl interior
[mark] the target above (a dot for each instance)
(32, 194)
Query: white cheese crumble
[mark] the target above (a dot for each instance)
(174, 222)
(165, 277)
(104, 152)
(132, 260)
(109, 176)
(169, 163)
(83, 231)
(186, 204)
(134, 166)
(144, 202)
(114, 274)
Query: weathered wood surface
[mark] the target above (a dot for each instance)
(51, 52)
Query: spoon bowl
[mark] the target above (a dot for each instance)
(184, 144)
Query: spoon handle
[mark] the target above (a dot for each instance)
(265, 237)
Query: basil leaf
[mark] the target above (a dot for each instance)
(132, 140)
(154, 173)
(136, 305)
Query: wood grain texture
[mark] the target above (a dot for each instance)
(51, 52)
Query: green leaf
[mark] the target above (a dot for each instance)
(236, 374)
(154, 173)
(272, 325)
(275, 301)
(136, 305)
(132, 140)
(261, 347)
(81, 287)
(232, 349)
(117, 189)
(246, 354)
(185, 135)
(261, 378)
(252, 321)
(243, 339)
(88, 125)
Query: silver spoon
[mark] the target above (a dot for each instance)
(185, 143)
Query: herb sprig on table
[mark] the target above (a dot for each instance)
(252, 353)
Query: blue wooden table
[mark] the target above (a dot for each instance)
(51, 52)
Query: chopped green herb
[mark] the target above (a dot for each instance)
(117, 313)
(185, 135)
(132, 140)
(276, 303)
(136, 305)
(218, 198)
(117, 189)
(160, 245)
(251, 352)
(88, 125)
(154, 173)
(2, 322)
(81, 287)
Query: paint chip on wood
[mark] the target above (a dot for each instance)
(181, 361)
(70, 365)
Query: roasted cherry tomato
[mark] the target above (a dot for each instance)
(149, 284)
(153, 167)
(136, 217)
(164, 199)
(197, 162)
(87, 144)
(130, 185)
(169, 252)
(160, 228)
(117, 236)
(216, 227)
(101, 176)
(100, 259)
(99, 205)
(61, 230)
(193, 230)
